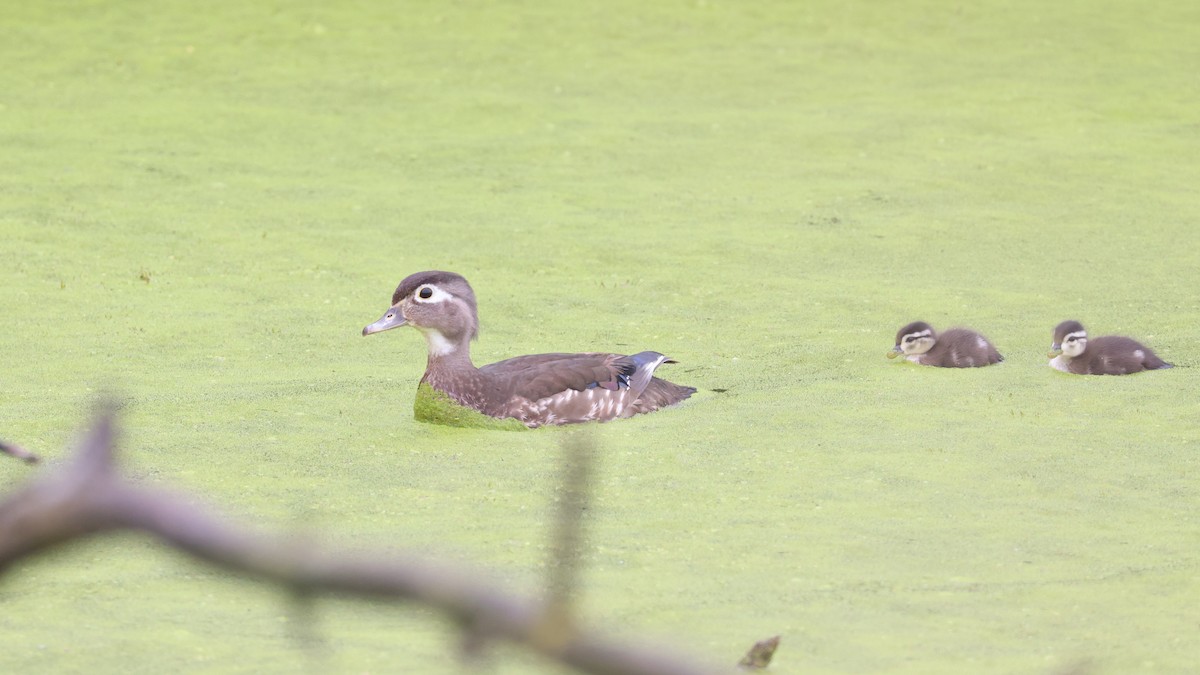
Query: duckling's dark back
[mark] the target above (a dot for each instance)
(1115, 355)
(961, 348)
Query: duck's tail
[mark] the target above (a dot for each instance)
(654, 392)
(1153, 362)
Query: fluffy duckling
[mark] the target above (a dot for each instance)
(1073, 352)
(954, 348)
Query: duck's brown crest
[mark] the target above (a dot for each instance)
(450, 282)
(1066, 328)
(455, 283)
(914, 327)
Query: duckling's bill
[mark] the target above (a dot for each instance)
(896, 351)
(391, 319)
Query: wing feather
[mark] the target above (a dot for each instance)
(548, 374)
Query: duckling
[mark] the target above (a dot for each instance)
(537, 390)
(954, 348)
(1073, 352)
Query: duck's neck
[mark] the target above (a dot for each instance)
(449, 360)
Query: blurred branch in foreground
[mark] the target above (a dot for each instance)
(579, 453)
(760, 654)
(19, 452)
(89, 496)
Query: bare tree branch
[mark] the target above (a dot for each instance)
(574, 495)
(88, 496)
(20, 453)
(760, 654)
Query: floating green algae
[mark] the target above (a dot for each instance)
(436, 407)
(201, 210)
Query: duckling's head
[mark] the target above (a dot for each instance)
(1070, 339)
(439, 304)
(915, 338)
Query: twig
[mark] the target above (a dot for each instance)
(579, 453)
(760, 654)
(20, 453)
(88, 496)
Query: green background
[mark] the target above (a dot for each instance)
(202, 204)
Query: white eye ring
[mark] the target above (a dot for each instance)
(429, 293)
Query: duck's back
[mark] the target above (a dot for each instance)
(565, 388)
(961, 348)
(1115, 355)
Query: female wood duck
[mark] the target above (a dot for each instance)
(955, 348)
(537, 390)
(1072, 352)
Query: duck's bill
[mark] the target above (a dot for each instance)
(1055, 350)
(894, 353)
(392, 319)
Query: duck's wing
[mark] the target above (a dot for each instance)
(965, 348)
(565, 388)
(1120, 355)
(539, 376)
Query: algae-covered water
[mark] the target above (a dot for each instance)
(202, 205)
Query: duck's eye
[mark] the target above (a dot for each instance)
(909, 338)
(426, 292)
(1071, 339)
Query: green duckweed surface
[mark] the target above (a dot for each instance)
(435, 407)
(202, 205)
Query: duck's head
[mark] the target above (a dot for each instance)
(439, 304)
(915, 338)
(1070, 339)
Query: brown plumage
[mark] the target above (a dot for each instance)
(954, 348)
(537, 390)
(1073, 352)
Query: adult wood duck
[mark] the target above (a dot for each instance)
(537, 390)
(954, 348)
(1073, 352)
